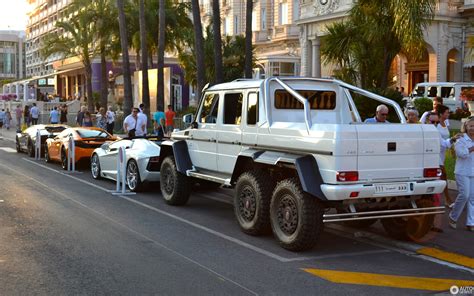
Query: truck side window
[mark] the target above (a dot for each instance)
(209, 109)
(233, 108)
(446, 91)
(252, 108)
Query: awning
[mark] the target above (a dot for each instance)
(43, 76)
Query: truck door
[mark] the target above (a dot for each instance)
(229, 132)
(202, 140)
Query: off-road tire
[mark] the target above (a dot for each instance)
(412, 228)
(295, 216)
(252, 196)
(175, 187)
(134, 183)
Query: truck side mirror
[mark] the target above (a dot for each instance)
(188, 118)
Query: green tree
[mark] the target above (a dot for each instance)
(144, 46)
(216, 22)
(74, 37)
(198, 48)
(365, 45)
(248, 39)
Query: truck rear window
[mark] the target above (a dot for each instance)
(318, 100)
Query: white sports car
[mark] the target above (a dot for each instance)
(142, 158)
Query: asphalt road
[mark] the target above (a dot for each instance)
(64, 234)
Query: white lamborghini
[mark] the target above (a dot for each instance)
(142, 158)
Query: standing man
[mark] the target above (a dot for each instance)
(34, 114)
(134, 125)
(110, 114)
(18, 115)
(170, 114)
(2, 118)
(54, 116)
(158, 122)
(80, 116)
(381, 114)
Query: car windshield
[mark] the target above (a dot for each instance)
(87, 133)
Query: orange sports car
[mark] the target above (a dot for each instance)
(86, 139)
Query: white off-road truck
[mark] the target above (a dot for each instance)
(298, 155)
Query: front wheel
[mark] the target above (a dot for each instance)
(46, 155)
(63, 159)
(95, 166)
(31, 149)
(175, 187)
(18, 148)
(134, 182)
(412, 228)
(295, 216)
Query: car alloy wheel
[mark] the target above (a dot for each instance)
(133, 176)
(95, 166)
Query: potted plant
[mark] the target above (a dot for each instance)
(467, 95)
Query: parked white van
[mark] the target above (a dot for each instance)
(451, 92)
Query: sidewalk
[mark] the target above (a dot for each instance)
(458, 241)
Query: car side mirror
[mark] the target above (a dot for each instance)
(188, 118)
(50, 136)
(105, 146)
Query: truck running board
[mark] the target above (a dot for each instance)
(225, 181)
(327, 218)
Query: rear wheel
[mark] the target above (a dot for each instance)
(412, 228)
(253, 193)
(95, 166)
(296, 217)
(133, 176)
(175, 187)
(31, 149)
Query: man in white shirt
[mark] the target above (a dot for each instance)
(34, 112)
(134, 125)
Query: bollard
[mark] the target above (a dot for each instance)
(71, 156)
(38, 145)
(120, 188)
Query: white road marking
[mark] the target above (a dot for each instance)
(8, 149)
(334, 229)
(128, 228)
(203, 228)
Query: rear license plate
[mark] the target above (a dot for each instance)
(391, 188)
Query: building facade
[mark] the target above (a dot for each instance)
(275, 33)
(448, 54)
(12, 55)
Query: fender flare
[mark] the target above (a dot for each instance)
(179, 150)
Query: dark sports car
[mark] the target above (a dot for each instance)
(25, 141)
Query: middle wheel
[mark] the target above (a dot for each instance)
(252, 202)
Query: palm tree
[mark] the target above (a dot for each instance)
(199, 48)
(160, 87)
(248, 39)
(127, 81)
(144, 46)
(74, 37)
(376, 31)
(216, 21)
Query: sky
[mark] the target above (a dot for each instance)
(13, 14)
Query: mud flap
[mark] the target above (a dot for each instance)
(309, 175)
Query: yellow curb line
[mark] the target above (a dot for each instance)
(447, 256)
(385, 280)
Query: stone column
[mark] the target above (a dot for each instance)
(17, 90)
(316, 63)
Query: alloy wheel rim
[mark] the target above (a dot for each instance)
(287, 214)
(95, 166)
(168, 183)
(247, 204)
(132, 175)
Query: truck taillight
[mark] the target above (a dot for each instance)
(432, 173)
(347, 176)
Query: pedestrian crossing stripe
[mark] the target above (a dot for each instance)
(385, 280)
